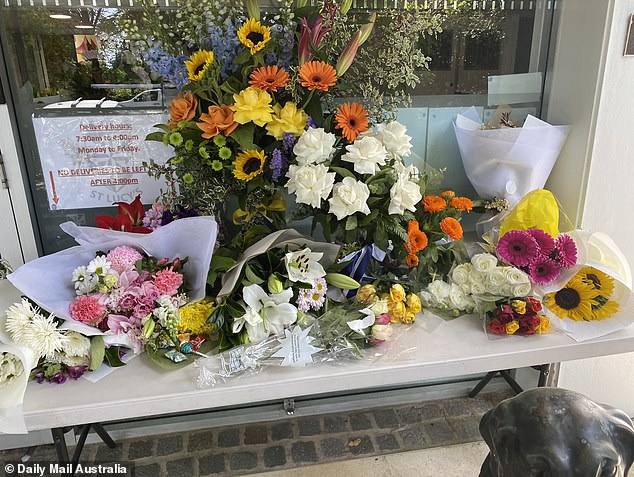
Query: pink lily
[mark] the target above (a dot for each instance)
(350, 51)
(310, 38)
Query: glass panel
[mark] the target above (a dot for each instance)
(55, 56)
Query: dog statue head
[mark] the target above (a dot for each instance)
(551, 432)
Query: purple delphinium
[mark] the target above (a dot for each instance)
(225, 44)
(310, 123)
(278, 165)
(288, 143)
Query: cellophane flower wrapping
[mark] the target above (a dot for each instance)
(510, 162)
(47, 280)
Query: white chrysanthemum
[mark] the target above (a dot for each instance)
(76, 344)
(19, 317)
(43, 337)
(11, 368)
(314, 146)
(394, 138)
(99, 266)
(366, 154)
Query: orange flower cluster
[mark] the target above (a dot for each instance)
(417, 241)
(434, 203)
(461, 203)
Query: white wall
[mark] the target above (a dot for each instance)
(593, 88)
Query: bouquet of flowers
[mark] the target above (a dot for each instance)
(517, 316)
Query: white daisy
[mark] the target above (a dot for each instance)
(88, 285)
(99, 266)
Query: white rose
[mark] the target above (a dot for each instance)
(495, 281)
(349, 196)
(515, 276)
(404, 195)
(382, 332)
(394, 138)
(461, 273)
(366, 154)
(523, 289)
(379, 307)
(458, 299)
(439, 289)
(410, 172)
(310, 183)
(476, 277)
(478, 288)
(314, 146)
(484, 262)
(427, 299)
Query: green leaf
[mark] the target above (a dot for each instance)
(351, 222)
(235, 309)
(251, 275)
(343, 172)
(220, 263)
(97, 352)
(155, 136)
(243, 135)
(313, 109)
(112, 357)
(243, 57)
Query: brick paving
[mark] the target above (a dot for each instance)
(293, 441)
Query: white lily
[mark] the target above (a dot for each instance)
(265, 313)
(303, 266)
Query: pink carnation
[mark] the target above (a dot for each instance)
(123, 258)
(87, 309)
(167, 281)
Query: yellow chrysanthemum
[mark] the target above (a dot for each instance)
(198, 64)
(574, 301)
(252, 104)
(599, 280)
(254, 35)
(606, 310)
(248, 164)
(194, 318)
(288, 119)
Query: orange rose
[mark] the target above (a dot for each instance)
(218, 120)
(183, 108)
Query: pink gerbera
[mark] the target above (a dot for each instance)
(566, 251)
(543, 271)
(87, 309)
(167, 281)
(544, 240)
(518, 248)
(123, 258)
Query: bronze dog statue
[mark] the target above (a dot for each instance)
(551, 432)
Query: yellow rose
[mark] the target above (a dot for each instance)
(397, 292)
(252, 104)
(512, 327)
(544, 325)
(519, 306)
(397, 310)
(290, 119)
(367, 294)
(413, 303)
(409, 318)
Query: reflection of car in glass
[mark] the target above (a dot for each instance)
(150, 98)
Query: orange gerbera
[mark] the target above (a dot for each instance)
(411, 260)
(352, 119)
(434, 203)
(317, 75)
(451, 227)
(448, 194)
(417, 238)
(269, 77)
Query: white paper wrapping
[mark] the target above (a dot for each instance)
(508, 163)
(12, 395)
(602, 254)
(47, 280)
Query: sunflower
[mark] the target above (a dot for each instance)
(352, 119)
(605, 310)
(198, 64)
(269, 77)
(599, 280)
(574, 301)
(254, 35)
(248, 164)
(317, 75)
